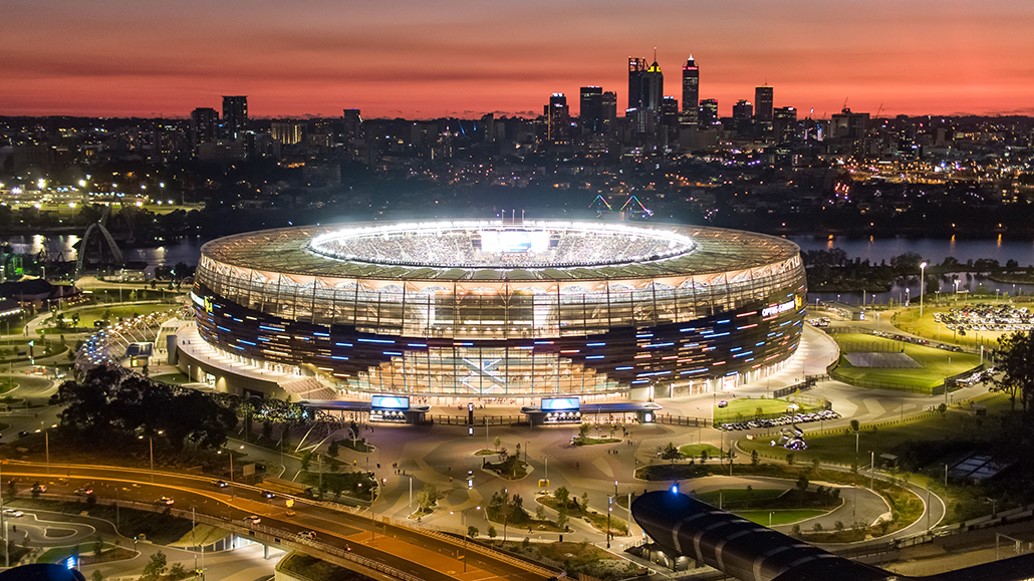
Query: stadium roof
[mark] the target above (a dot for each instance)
(285, 251)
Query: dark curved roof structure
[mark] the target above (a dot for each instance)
(682, 525)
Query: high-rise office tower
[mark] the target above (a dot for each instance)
(784, 123)
(636, 70)
(708, 112)
(742, 110)
(558, 119)
(204, 125)
(763, 104)
(609, 104)
(591, 112)
(235, 116)
(353, 125)
(743, 117)
(669, 110)
(645, 91)
(690, 91)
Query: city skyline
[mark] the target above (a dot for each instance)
(464, 59)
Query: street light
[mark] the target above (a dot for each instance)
(463, 519)
(610, 508)
(922, 285)
(150, 447)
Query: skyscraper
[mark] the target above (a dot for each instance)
(743, 117)
(235, 116)
(591, 112)
(645, 91)
(204, 125)
(708, 112)
(763, 104)
(609, 104)
(690, 92)
(558, 119)
(353, 125)
(636, 69)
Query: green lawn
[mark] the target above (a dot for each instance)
(936, 364)
(177, 378)
(746, 408)
(738, 495)
(779, 517)
(694, 450)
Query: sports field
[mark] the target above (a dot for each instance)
(933, 364)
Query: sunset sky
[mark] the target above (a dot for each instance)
(430, 58)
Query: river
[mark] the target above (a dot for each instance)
(934, 250)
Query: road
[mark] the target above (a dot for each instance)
(419, 553)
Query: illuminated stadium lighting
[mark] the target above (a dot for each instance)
(493, 309)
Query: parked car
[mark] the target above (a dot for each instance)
(165, 501)
(252, 520)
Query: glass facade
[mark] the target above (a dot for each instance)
(479, 333)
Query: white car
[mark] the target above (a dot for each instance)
(252, 520)
(310, 535)
(165, 501)
(13, 512)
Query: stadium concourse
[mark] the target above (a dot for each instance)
(496, 311)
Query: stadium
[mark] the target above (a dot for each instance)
(494, 309)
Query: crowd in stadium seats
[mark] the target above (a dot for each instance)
(461, 248)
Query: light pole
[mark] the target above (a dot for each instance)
(610, 509)
(463, 518)
(150, 448)
(922, 285)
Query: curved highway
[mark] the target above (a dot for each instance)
(412, 553)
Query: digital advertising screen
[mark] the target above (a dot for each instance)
(560, 404)
(389, 402)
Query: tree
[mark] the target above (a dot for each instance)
(583, 431)
(755, 458)
(670, 452)
(97, 575)
(1015, 358)
(802, 483)
(855, 426)
(428, 497)
(562, 496)
(498, 441)
(492, 532)
(472, 532)
(156, 566)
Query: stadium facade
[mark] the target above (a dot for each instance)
(495, 309)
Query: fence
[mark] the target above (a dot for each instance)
(676, 420)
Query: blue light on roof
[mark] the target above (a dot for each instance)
(381, 341)
(595, 344)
